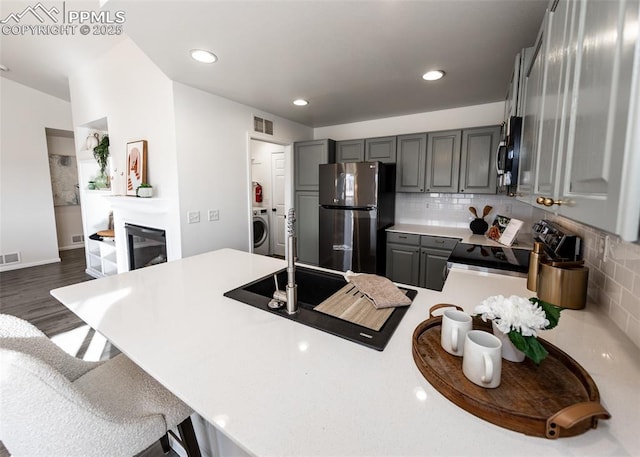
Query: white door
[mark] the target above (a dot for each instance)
(278, 224)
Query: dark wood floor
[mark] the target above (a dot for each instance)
(25, 293)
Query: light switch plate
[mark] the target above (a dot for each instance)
(193, 217)
(214, 215)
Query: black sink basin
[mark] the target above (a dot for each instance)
(313, 288)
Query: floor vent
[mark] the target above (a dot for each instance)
(76, 239)
(14, 257)
(262, 125)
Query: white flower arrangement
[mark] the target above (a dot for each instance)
(521, 318)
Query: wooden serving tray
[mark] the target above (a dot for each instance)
(556, 398)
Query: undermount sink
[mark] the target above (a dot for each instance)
(314, 287)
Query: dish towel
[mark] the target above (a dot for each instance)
(382, 292)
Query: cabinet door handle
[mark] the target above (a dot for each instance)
(548, 201)
(461, 190)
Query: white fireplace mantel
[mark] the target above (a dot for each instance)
(158, 213)
(138, 205)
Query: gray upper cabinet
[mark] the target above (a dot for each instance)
(478, 160)
(531, 119)
(599, 184)
(449, 161)
(443, 161)
(580, 126)
(307, 156)
(554, 43)
(350, 151)
(381, 149)
(410, 168)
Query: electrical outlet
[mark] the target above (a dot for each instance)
(507, 208)
(603, 246)
(193, 217)
(214, 215)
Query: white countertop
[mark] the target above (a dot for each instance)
(465, 235)
(279, 388)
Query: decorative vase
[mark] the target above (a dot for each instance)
(91, 185)
(102, 181)
(92, 141)
(509, 351)
(479, 226)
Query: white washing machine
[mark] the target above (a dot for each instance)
(260, 231)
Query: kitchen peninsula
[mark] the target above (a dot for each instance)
(277, 388)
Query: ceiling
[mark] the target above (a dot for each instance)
(352, 60)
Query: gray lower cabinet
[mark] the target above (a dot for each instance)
(478, 160)
(307, 223)
(350, 151)
(403, 257)
(381, 149)
(433, 268)
(418, 260)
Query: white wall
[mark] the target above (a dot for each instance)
(27, 222)
(68, 217)
(213, 137)
(456, 118)
(136, 98)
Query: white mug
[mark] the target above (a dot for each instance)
(455, 325)
(482, 362)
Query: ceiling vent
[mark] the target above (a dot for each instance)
(262, 125)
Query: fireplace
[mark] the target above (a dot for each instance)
(146, 246)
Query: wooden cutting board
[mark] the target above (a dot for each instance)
(351, 305)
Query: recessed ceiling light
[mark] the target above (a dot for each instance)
(433, 75)
(300, 102)
(203, 56)
(3, 67)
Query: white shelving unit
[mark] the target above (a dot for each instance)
(101, 258)
(101, 255)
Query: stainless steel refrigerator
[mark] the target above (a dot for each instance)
(357, 204)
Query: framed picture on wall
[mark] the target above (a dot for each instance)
(136, 165)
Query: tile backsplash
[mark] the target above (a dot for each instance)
(614, 274)
(614, 265)
(452, 210)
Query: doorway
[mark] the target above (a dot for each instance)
(268, 180)
(63, 169)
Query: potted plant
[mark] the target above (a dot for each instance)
(144, 190)
(516, 320)
(101, 154)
